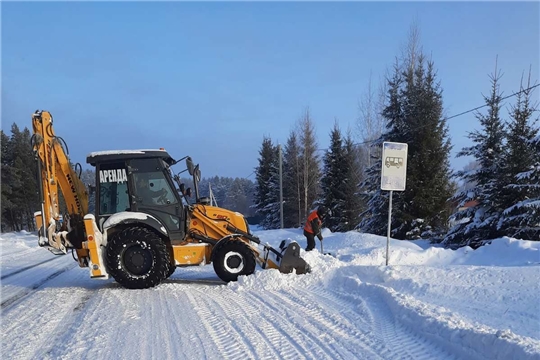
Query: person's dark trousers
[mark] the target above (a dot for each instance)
(310, 241)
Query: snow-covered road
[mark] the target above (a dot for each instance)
(436, 304)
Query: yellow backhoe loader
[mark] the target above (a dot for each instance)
(143, 226)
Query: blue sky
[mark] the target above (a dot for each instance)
(211, 79)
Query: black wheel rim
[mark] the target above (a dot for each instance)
(234, 261)
(136, 260)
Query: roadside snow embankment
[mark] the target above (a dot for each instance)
(480, 303)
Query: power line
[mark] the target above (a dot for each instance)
(447, 118)
(453, 116)
(504, 98)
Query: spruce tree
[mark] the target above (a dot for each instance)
(29, 175)
(352, 164)
(267, 190)
(273, 218)
(333, 180)
(424, 210)
(18, 168)
(7, 181)
(520, 201)
(478, 223)
(291, 182)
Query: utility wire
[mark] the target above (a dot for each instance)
(446, 118)
(451, 117)
(504, 98)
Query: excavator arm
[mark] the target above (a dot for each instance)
(55, 172)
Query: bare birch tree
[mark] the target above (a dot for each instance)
(309, 167)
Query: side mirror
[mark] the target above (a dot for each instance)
(189, 164)
(197, 172)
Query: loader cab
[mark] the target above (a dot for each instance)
(134, 183)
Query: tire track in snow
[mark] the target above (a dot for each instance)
(107, 318)
(43, 313)
(351, 324)
(55, 344)
(173, 330)
(227, 339)
(289, 332)
(239, 313)
(187, 326)
(331, 327)
(297, 326)
(26, 268)
(401, 342)
(264, 338)
(24, 292)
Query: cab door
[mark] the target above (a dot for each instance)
(154, 193)
(113, 192)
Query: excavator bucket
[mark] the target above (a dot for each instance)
(291, 260)
(286, 259)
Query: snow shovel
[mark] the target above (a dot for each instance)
(322, 252)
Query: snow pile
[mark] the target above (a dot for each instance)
(476, 303)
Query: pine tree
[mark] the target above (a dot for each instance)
(29, 174)
(425, 199)
(7, 187)
(520, 200)
(19, 181)
(273, 218)
(237, 197)
(478, 223)
(267, 189)
(291, 182)
(16, 212)
(334, 180)
(352, 164)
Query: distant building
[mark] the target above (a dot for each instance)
(456, 209)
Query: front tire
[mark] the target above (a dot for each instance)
(233, 259)
(137, 258)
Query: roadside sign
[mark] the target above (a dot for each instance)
(394, 166)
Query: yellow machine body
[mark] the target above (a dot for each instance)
(206, 234)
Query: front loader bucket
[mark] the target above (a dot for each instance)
(290, 258)
(285, 260)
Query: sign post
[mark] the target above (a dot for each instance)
(393, 176)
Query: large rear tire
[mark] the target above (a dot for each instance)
(137, 258)
(233, 259)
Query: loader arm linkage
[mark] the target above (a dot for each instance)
(285, 259)
(55, 172)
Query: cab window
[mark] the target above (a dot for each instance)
(113, 189)
(153, 189)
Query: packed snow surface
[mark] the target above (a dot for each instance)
(429, 303)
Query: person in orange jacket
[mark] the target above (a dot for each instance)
(313, 227)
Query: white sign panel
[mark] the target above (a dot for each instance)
(394, 166)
